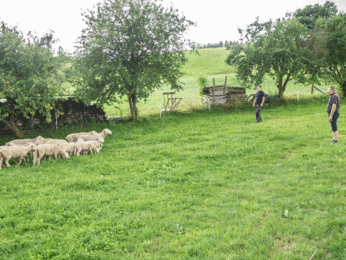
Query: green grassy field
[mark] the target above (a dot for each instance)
(200, 185)
(211, 64)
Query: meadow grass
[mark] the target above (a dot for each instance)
(199, 185)
(209, 63)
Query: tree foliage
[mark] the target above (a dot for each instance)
(130, 48)
(309, 15)
(272, 48)
(26, 66)
(327, 49)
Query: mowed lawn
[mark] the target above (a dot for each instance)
(203, 185)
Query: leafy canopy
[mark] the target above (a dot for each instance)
(130, 48)
(327, 49)
(309, 15)
(26, 67)
(272, 48)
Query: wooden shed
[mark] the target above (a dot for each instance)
(222, 94)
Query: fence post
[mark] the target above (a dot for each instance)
(312, 88)
(298, 95)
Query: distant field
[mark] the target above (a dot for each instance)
(200, 185)
(211, 64)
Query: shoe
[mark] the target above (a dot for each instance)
(256, 122)
(334, 141)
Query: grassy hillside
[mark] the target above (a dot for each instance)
(204, 185)
(211, 64)
(207, 62)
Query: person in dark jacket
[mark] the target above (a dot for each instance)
(258, 103)
(333, 112)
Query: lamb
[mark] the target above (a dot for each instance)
(47, 149)
(88, 146)
(94, 137)
(68, 147)
(74, 137)
(24, 141)
(15, 151)
(95, 145)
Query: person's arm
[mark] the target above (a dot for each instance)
(254, 102)
(332, 112)
(264, 97)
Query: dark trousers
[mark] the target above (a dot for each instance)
(334, 123)
(258, 113)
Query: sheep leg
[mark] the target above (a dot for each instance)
(79, 149)
(39, 159)
(21, 159)
(6, 162)
(34, 155)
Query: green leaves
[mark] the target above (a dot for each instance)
(27, 72)
(130, 48)
(272, 48)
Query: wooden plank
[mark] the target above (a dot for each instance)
(319, 90)
(178, 103)
(168, 93)
(214, 89)
(224, 87)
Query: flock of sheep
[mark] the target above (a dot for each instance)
(39, 147)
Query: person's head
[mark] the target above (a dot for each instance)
(331, 90)
(259, 88)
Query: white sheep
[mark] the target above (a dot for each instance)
(94, 145)
(56, 141)
(94, 137)
(24, 141)
(48, 150)
(68, 147)
(15, 151)
(74, 137)
(89, 146)
(42, 141)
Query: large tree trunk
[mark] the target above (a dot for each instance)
(133, 106)
(343, 89)
(281, 88)
(282, 85)
(12, 125)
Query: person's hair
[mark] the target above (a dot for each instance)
(259, 86)
(333, 89)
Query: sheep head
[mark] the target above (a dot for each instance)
(106, 131)
(80, 140)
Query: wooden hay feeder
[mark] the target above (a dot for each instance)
(222, 94)
(170, 102)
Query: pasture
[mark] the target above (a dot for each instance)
(209, 63)
(199, 185)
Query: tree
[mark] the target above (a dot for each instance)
(327, 49)
(309, 15)
(26, 66)
(272, 48)
(130, 48)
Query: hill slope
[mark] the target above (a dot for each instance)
(207, 62)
